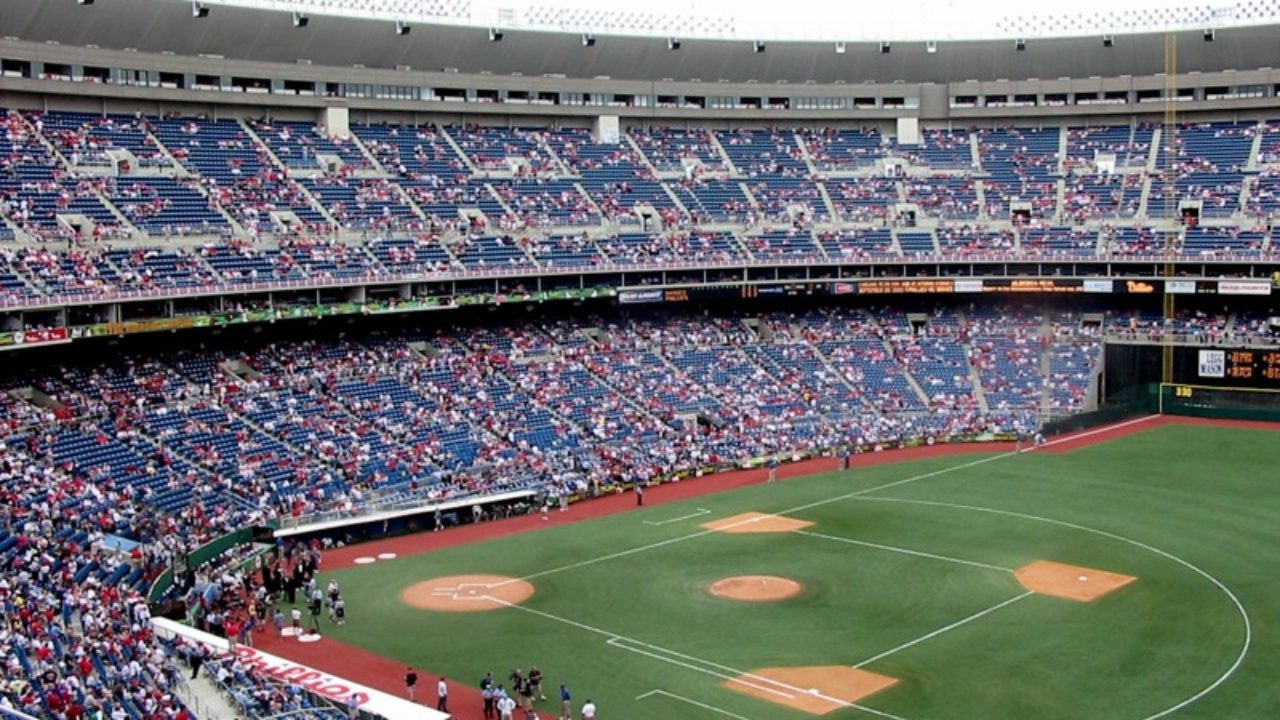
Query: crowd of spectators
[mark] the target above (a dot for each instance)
(669, 149)
(1098, 196)
(428, 178)
(832, 150)
(1128, 146)
(962, 240)
(944, 196)
(77, 640)
(313, 426)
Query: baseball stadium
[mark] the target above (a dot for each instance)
(534, 359)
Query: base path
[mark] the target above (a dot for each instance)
(467, 593)
(756, 588)
(816, 690)
(1070, 581)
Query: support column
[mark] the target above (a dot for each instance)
(607, 130)
(336, 121)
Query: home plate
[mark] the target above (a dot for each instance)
(364, 560)
(386, 556)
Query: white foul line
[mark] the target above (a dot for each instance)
(700, 513)
(690, 662)
(1090, 433)
(904, 551)
(939, 631)
(695, 703)
(615, 642)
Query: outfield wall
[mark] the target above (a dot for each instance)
(1206, 381)
(1220, 403)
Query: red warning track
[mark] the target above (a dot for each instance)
(376, 671)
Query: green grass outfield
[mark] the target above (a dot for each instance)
(1209, 497)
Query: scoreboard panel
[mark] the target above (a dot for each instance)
(1255, 368)
(1260, 365)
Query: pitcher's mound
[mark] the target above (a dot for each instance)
(756, 588)
(815, 690)
(467, 593)
(1070, 581)
(754, 522)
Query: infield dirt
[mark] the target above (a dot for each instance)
(756, 588)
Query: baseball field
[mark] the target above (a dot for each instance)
(1132, 578)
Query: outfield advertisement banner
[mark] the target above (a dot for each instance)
(38, 336)
(1213, 364)
(1012, 285)
(1244, 287)
(1141, 287)
(631, 297)
(1180, 287)
(900, 287)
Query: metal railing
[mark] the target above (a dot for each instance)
(535, 270)
(1160, 336)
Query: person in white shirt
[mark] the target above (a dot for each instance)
(506, 706)
(589, 711)
(442, 695)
